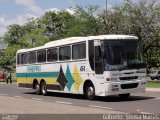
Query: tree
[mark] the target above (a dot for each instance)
(139, 19)
(14, 33)
(34, 38)
(90, 19)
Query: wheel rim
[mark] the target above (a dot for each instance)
(37, 88)
(90, 91)
(44, 89)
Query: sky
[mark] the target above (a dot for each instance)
(18, 11)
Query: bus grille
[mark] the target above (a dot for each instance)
(128, 86)
(129, 78)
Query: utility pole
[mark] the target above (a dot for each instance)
(106, 6)
(105, 17)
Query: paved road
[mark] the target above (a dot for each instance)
(147, 102)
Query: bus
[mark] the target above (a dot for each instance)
(94, 66)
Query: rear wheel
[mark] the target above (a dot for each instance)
(43, 88)
(124, 96)
(37, 88)
(90, 92)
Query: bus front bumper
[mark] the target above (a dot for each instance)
(115, 88)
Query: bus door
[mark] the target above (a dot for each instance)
(98, 57)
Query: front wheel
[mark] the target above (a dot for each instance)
(124, 96)
(37, 89)
(43, 88)
(90, 92)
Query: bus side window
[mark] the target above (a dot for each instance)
(65, 53)
(52, 55)
(41, 56)
(24, 58)
(79, 51)
(18, 59)
(32, 57)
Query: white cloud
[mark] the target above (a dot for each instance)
(72, 12)
(52, 9)
(2, 22)
(30, 5)
(2, 26)
(33, 11)
(57, 10)
(20, 19)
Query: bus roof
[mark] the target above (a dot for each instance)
(79, 39)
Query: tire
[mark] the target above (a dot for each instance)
(44, 89)
(90, 92)
(37, 88)
(124, 96)
(152, 78)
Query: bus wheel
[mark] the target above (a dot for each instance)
(90, 92)
(124, 96)
(37, 88)
(44, 88)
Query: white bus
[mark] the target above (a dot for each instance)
(94, 66)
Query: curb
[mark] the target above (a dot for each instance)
(147, 89)
(6, 83)
(153, 89)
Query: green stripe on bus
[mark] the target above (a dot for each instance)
(38, 75)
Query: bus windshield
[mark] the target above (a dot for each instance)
(122, 55)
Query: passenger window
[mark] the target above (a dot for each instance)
(41, 56)
(32, 57)
(24, 58)
(65, 53)
(52, 55)
(79, 51)
(18, 59)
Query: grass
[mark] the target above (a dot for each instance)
(153, 84)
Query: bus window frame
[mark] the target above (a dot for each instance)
(37, 55)
(80, 43)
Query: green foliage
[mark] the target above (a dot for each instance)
(153, 84)
(35, 38)
(140, 19)
(90, 20)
